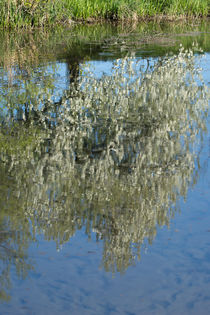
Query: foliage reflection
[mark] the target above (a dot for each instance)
(113, 154)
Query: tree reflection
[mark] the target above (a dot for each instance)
(15, 235)
(114, 154)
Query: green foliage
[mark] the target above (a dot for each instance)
(23, 13)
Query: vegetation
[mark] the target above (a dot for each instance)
(22, 13)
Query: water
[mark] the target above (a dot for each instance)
(104, 171)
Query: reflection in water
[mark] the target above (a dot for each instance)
(14, 235)
(113, 154)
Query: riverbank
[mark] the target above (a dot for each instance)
(39, 13)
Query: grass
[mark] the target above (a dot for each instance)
(23, 13)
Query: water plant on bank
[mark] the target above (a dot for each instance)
(22, 13)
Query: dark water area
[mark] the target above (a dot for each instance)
(104, 170)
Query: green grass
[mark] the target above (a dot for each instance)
(23, 13)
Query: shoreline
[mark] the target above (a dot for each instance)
(157, 18)
(91, 20)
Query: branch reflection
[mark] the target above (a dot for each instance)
(114, 154)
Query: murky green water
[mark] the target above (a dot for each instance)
(104, 170)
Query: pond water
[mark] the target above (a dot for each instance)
(104, 170)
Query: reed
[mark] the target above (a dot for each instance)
(24, 13)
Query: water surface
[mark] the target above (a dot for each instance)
(104, 171)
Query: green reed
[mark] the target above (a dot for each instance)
(22, 13)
